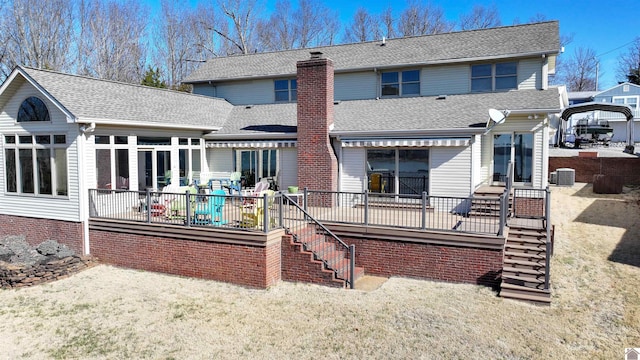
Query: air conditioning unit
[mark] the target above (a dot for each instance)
(553, 178)
(565, 177)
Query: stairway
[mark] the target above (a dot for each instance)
(326, 252)
(524, 265)
(485, 201)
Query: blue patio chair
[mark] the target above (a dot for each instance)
(210, 212)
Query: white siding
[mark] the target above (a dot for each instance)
(288, 171)
(538, 159)
(41, 206)
(487, 155)
(529, 74)
(353, 177)
(445, 80)
(356, 86)
(247, 92)
(450, 171)
(220, 160)
(477, 170)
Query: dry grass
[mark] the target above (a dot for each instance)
(113, 313)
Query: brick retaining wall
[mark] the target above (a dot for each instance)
(428, 261)
(252, 266)
(587, 167)
(37, 230)
(300, 266)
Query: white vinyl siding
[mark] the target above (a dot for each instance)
(355, 86)
(247, 92)
(487, 151)
(220, 160)
(529, 74)
(66, 208)
(353, 177)
(288, 172)
(536, 176)
(476, 166)
(450, 171)
(445, 80)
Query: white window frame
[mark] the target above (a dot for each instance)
(33, 146)
(112, 147)
(493, 77)
(625, 101)
(292, 94)
(400, 83)
(259, 168)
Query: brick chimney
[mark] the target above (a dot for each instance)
(317, 163)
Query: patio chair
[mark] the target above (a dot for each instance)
(176, 202)
(253, 213)
(210, 212)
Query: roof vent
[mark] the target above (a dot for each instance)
(248, 106)
(441, 97)
(316, 54)
(336, 102)
(384, 41)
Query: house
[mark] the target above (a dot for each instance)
(405, 116)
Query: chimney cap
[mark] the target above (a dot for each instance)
(316, 54)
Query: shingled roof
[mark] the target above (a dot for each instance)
(509, 41)
(120, 103)
(419, 114)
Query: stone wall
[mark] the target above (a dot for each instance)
(16, 275)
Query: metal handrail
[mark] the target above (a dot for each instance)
(548, 243)
(350, 248)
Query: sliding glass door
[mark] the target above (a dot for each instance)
(516, 146)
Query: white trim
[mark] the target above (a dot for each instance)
(405, 142)
(251, 144)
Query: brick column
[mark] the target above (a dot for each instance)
(317, 163)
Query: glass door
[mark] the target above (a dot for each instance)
(501, 157)
(523, 164)
(154, 169)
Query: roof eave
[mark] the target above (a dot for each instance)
(143, 124)
(252, 136)
(408, 133)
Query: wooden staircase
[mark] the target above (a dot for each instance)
(524, 264)
(485, 201)
(326, 252)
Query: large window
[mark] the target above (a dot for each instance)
(256, 164)
(36, 164)
(397, 83)
(33, 109)
(632, 101)
(398, 171)
(112, 162)
(286, 90)
(494, 77)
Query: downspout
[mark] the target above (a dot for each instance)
(83, 198)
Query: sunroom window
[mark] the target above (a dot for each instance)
(36, 165)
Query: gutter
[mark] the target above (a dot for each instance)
(154, 125)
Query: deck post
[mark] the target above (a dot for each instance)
(352, 266)
(188, 207)
(503, 215)
(148, 206)
(547, 220)
(265, 212)
(366, 207)
(424, 210)
(281, 210)
(305, 202)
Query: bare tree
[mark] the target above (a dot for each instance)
(37, 34)
(579, 73)
(309, 25)
(423, 19)
(480, 17)
(182, 39)
(388, 23)
(242, 19)
(363, 27)
(629, 64)
(111, 44)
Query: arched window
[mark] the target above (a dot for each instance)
(33, 109)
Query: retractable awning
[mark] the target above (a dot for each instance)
(425, 142)
(252, 144)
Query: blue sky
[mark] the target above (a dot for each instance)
(606, 27)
